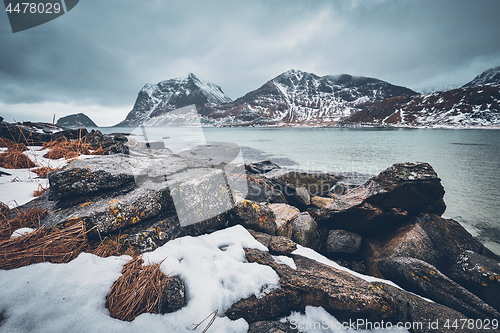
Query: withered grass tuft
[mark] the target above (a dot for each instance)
(138, 290)
(14, 158)
(44, 244)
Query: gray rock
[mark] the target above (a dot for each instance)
(276, 244)
(271, 327)
(305, 231)
(408, 241)
(320, 202)
(424, 279)
(290, 193)
(261, 167)
(402, 190)
(316, 183)
(173, 296)
(259, 189)
(285, 214)
(254, 216)
(149, 199)
(451, 240)
(304, 194)
(105, 173)
(421, 315)
(480, 275)
(281, 245)
(342, 241)
(315, 284)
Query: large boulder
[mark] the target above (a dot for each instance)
(422, 316)
(316, 183)
(284, 214)
(147, 199)
(424, 279)
(403, 190)
(480, 275)
(116, 143)
(305, 231)
(255, 216)
(407, 241)
(451, 240)
(260, 189)
(316, 284)
(343, 295)
(342, 241)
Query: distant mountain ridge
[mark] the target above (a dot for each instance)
(76, 120)
(475, 104)
(297, 98)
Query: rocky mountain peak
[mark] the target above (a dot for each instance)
(157, 99)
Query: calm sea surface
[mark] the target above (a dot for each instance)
(467, 161)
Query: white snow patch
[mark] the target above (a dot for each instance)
(71, 297)
(285, 260)
(21, 232)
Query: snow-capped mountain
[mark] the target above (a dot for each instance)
(491, 75)
(300, 98)
(297, 98)
(475, 104)
(155, 100)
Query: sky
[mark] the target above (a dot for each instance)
(97, 57)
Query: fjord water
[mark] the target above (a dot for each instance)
(466, 160)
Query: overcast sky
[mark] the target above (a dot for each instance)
(97, 57)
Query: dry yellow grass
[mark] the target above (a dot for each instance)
(114, 246)
(66, 149)
(14, 158)
(28, 219)
(137, 291)
(43, 171)
(44, 244)
(70, 149)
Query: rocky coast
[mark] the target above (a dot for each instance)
(392, 258)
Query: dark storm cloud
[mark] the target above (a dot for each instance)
(103, 52)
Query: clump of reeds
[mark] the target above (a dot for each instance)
(24, 219)
(138, 290)
(70, 149)
(43, 171)
(44, 244)
(66, 149)
(7, 143)
(14, 158)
